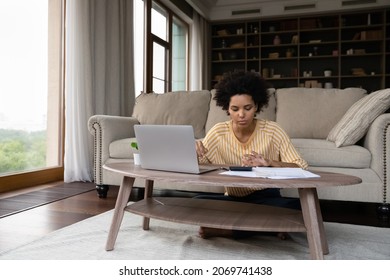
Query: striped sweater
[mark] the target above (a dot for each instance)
(268, 139)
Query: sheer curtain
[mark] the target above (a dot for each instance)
(199, 70)
(99, 76)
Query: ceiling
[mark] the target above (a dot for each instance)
(230, 9)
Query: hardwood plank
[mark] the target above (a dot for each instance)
(29, 225)
(21, 202)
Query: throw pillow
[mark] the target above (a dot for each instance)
(356, 121)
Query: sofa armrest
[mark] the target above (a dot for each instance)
(377, 141)
(106, 129)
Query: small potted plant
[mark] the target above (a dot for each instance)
(137, 160)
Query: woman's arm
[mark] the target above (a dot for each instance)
(255, 159)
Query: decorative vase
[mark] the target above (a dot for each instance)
(276, 40)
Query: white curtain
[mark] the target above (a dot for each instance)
(199, 70)
(99, 77)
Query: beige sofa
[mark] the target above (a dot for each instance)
(334, 130)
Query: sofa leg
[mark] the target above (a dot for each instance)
(383, 211)
(102, 190)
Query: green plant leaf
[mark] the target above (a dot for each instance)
(134, 145)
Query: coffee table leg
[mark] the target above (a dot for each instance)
(121, 203)
(312, 217)
(148, 193)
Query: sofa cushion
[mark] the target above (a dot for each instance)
(313, 112)
(356, 121)
(319, 152)
(178, 108)
(121, 148)
(216, 114)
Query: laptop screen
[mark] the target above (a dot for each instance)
(167, 147)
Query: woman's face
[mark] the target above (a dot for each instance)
(242, 110)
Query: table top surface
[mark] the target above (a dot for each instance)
(214, 178)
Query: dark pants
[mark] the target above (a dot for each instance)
(269, 197)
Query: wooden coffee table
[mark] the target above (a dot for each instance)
(227, 214)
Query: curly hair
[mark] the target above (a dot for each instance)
(241, 82)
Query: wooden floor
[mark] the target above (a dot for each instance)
(29, 225)
(25, 201)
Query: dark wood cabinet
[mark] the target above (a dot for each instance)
(349, 49)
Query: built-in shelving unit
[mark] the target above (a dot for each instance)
(349, 49)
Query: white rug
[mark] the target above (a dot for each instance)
(165, 240)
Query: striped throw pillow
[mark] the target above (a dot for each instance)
(356, 121)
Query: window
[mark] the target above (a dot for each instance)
(179, 54)
(160, 78)
(160, 22)
(169, 35)
(166, 56)
(30, 91)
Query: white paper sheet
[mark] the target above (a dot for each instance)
(273, 173)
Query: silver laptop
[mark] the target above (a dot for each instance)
(168, 148)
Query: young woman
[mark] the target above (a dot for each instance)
(247, 141)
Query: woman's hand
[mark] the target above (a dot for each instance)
(200, 149)
(255, 159)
